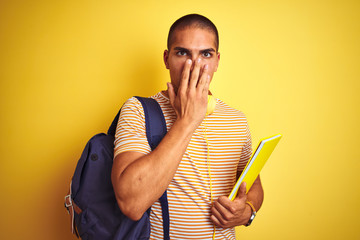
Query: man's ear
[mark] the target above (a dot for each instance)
(166, 57)
(218, 60)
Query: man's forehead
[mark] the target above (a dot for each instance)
(193, 38)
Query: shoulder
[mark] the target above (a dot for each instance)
(132, 108)
(134, 102)
(131, 104)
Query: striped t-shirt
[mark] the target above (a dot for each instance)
(229, 141)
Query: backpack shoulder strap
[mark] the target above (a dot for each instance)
(154, 121)
(112, 129)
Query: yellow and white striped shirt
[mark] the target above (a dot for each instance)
(189, 197)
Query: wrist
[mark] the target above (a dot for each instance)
(252, 213)
(246, 215)
(186, 127)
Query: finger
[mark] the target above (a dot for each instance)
(171, 93)
(206, 87)
(242, 191)
(215, 221)
(185, 77)
(221, 216)
(203, 81)
(194, 78)
(217, 218)
(227, 204)
(225, 208)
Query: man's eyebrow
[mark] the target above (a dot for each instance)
(187, 50)
(208, 50)
(181, 49)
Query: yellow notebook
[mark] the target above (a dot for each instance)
(255, 164)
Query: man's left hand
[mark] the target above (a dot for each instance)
(226, 213)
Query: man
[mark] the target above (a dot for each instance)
(199, 158)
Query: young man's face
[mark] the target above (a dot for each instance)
(191, 43)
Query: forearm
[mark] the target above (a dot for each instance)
(256, 194)
(144, 180)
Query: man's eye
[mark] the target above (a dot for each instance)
(181, 53)
(207, 54)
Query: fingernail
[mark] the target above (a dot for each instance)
(198, 60)
(206, 67)
(188, 61)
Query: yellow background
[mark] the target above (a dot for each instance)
(292, 67)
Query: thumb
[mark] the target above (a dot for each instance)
(242, 191)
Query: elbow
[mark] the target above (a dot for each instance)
(130, 210)
(130, 205)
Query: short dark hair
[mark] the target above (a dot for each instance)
(193, 20)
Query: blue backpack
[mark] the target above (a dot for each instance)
(91, 201)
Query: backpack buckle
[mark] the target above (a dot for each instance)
(68, 202)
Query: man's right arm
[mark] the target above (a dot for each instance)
(139, 179)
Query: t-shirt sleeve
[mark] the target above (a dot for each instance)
(246, 150)
(130, 131)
